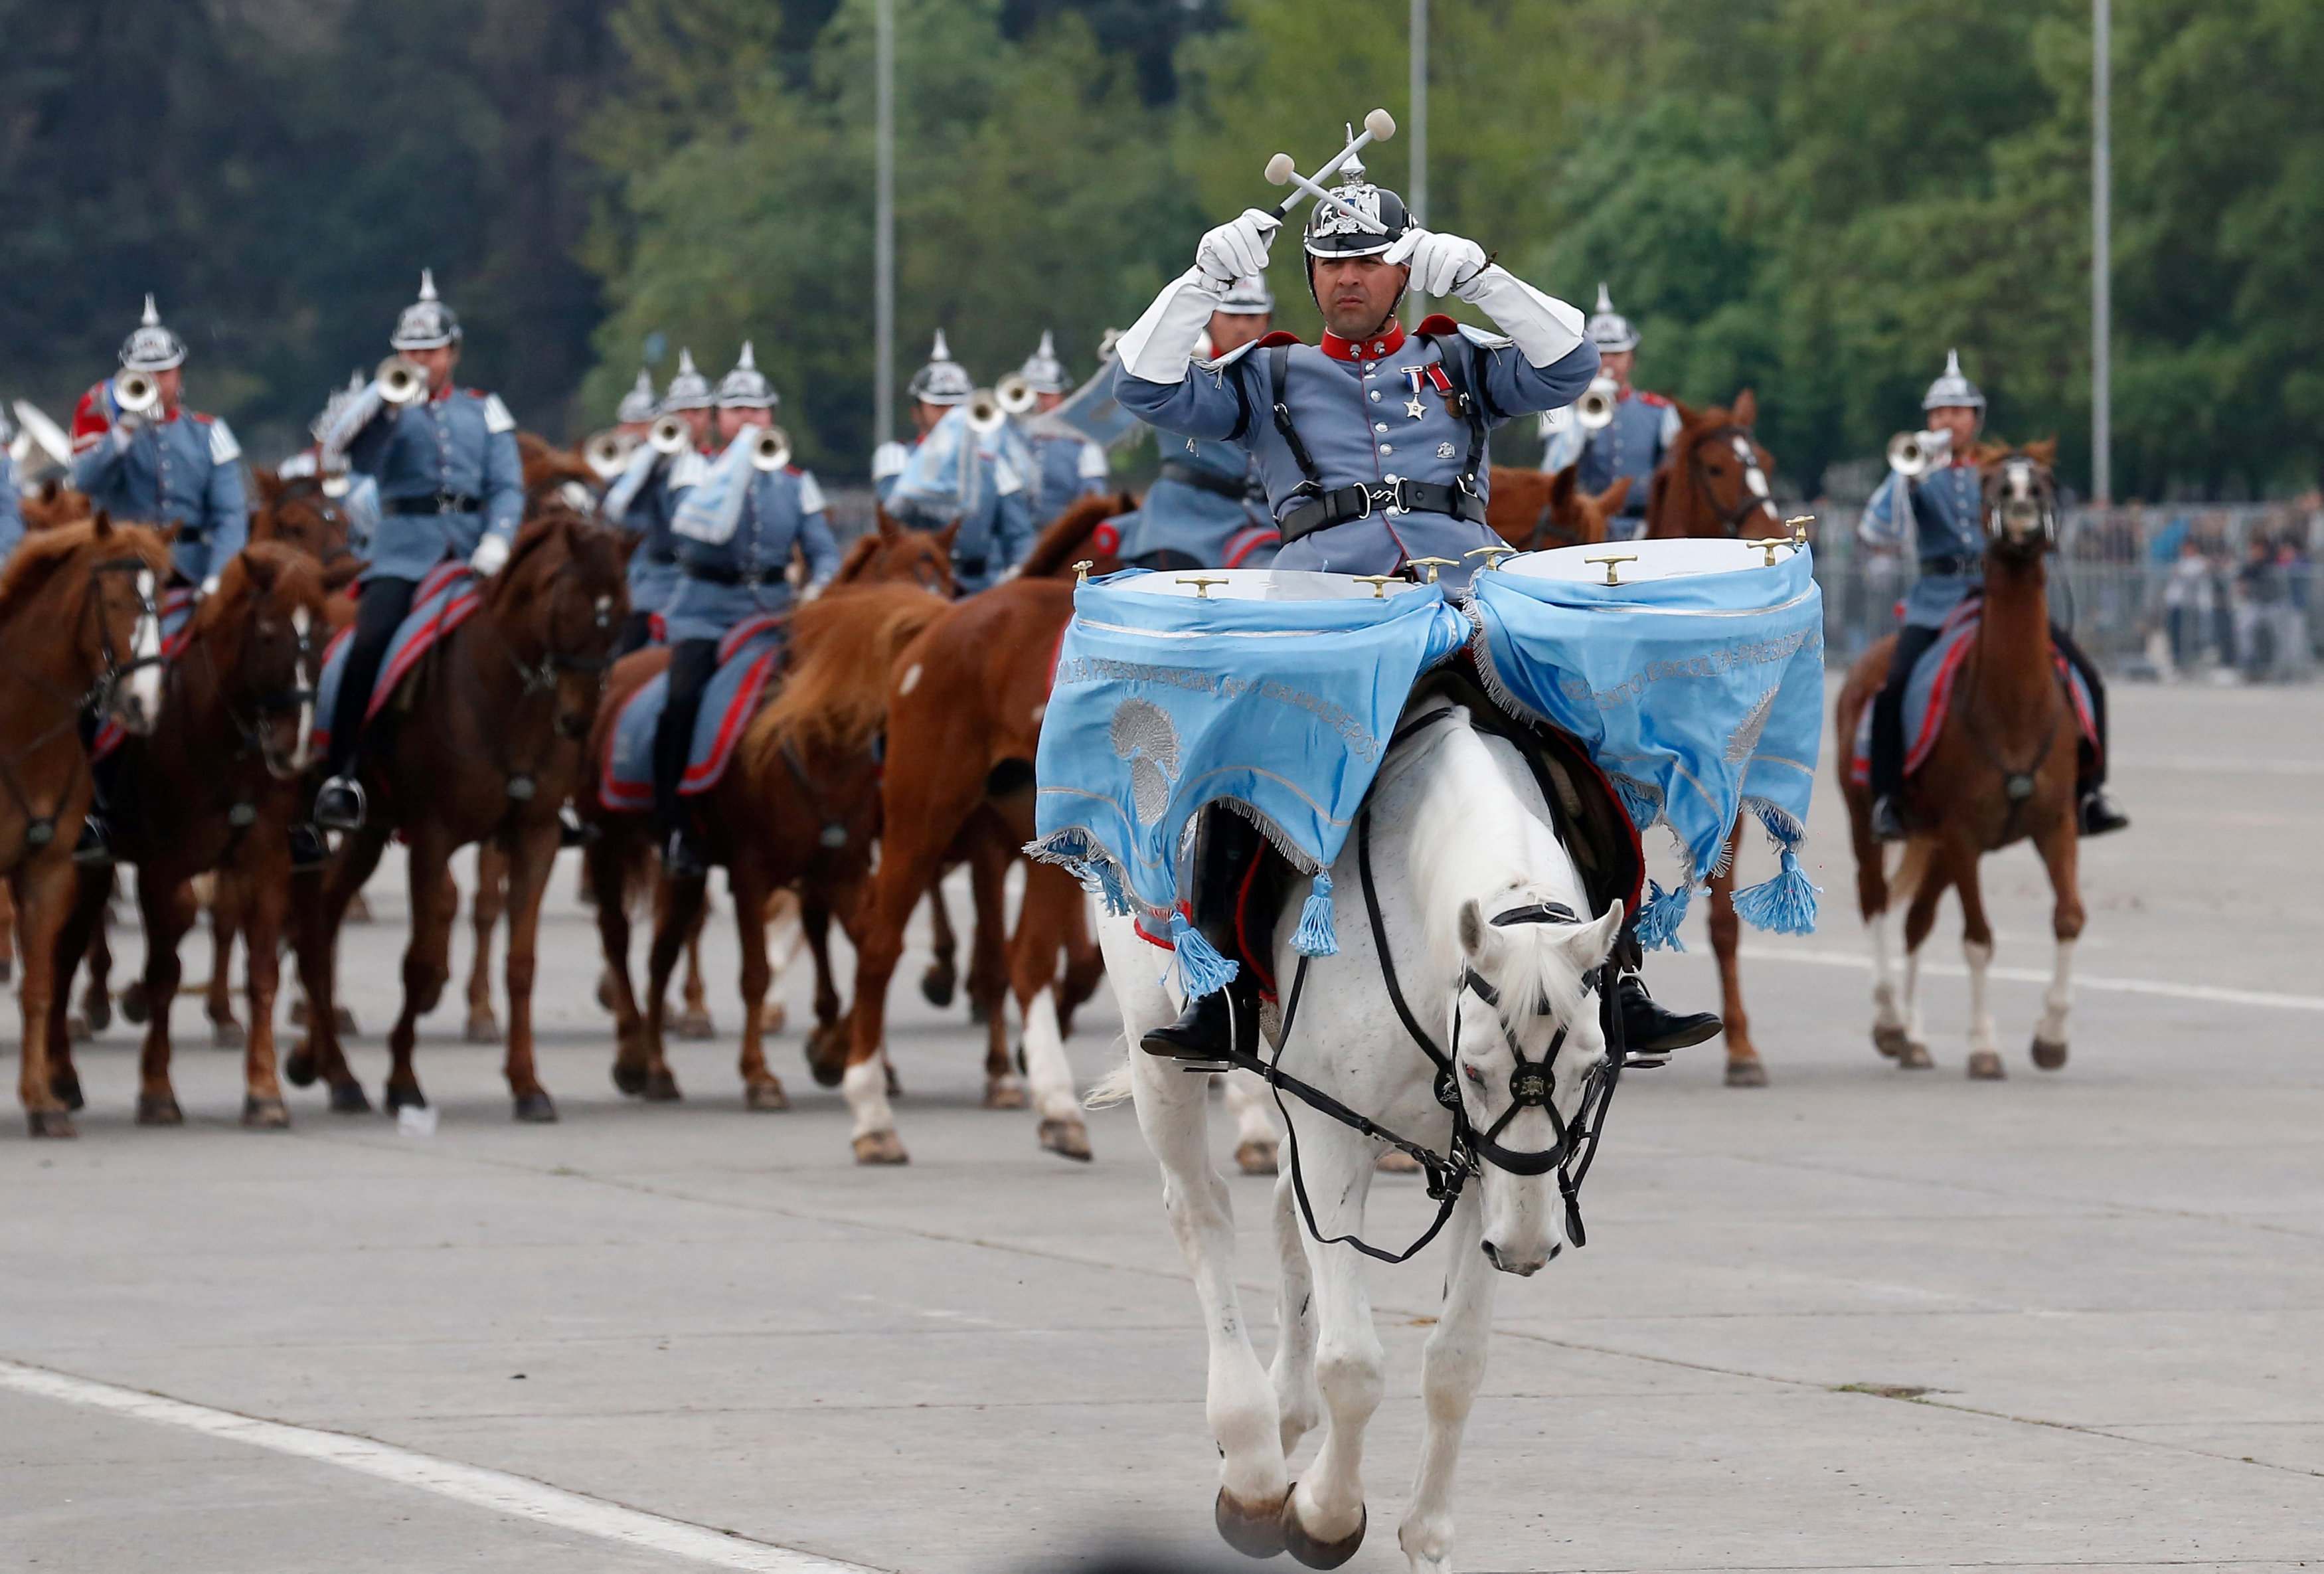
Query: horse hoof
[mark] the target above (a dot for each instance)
(1003, 1093)
(1318, 1554)
(606, 991)
(159, 1109)
(697, 1025)
(1255, 1532)
(299, 1011)
(264, 1113)
(50, 1123)
(773, 1017)
(398, 1098)
(1068, 1138)
(894, 1083)
(630, 1079)
(1985, 1066)
(77, 1029)
(1890, 1042)
(1914, 1056)
(65, 1085)
(227, 1035)
(2048, 1056)
(536, 1109)
(344, 1021)
(977, 1015)
(827, 1071)
(661, 1087)
(880, 1147)
(349, 1098)
(484, 1028)
(132, 1004)
(766, 1096)
(99, 1008)
(1397, 1161)
(358, 910)
(937, 985)
(1746, 1074)
(299, 1066)
(7, 969)
(1256, 1158)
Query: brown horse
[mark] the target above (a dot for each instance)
(890, 583)
(78, 628)
(487, 746)
(2002, 768)
(1713, 482)
(964, 706)
(215, 785)
(1532, 510)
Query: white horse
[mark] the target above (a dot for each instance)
(1469, 876)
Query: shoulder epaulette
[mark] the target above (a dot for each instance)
(1436, 322)
(1483, 340)
(1659, 401)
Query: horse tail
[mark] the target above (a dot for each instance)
(1111, 1089)
(1920, 854)
(844, 647)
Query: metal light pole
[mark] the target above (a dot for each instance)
(2101, 253)
(883, 230)
(1418, 132)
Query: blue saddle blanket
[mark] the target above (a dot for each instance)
(1278, 694)
(748, 657)
(1696, 683)
(443, 599)
(1929, 694)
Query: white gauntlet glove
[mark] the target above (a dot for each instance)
(491, 556)
(1238, 249)
(1442, 264)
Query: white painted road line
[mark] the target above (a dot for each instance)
(2211, 993)
(496, 1490)
(2219, 764)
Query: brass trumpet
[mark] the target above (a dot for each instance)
(770, 449)
(670, 434)
(1594, 410)
(138, 394)
(986, 413)
(1913, 454)
(608, 452)
(1015, 396)
(401, 380)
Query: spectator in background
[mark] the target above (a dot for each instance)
(2294, 652)
(2259, 591)
(2187, 602)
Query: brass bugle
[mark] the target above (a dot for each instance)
(137, 393)
(985, 413)
(1595, 409)
(668, 435)
(401, 380)
(770, 449)
(1913, 454)
(608, 452)
(1016, 396)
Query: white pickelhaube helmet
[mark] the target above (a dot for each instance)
(746, 387)
(1330, 233)
(943, 381)
(151, 347)
(689, 389)
(1247, 297)
(638, 405)
(426, 324)
(1042, 371)
(1609, 331)
(1953, 390)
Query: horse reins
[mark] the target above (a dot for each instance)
(1730, 520)
(542, 677)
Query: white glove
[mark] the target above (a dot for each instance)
(210, 585)
(491, 556)
(1442, 264)
(1238, 249)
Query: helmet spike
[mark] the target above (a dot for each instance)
(686, 363)
(1605, 298)
(428, 284)
(746, 361)
(940, 351)
(152, 318)
(1048, 351)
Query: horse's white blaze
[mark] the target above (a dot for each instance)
(2058, 1003)
(1982, 1033)
(865, 1088)
(1754, 477)
(304, 754)
(1049, 1077)
(145, 649)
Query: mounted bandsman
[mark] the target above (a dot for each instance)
(643, 500)
(956, 472)
(1065, 466)
(735, 533)
(634, 416)
(1207, 509)
(1944, 511)
(451, 486)
(1372, 450)
(143, 457)
(1625, 432)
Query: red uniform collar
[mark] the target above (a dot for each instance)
(1364, 349)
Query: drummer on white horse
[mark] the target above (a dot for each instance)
(1372, 448)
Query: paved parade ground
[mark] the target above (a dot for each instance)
(1863, 1318)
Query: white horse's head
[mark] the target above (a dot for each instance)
(1526, 1042)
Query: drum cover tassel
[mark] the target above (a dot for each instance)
(1201, 968)
(1662, 914)
(1315, 936)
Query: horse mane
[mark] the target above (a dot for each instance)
(1053, 554)
(547, 466)
(55, 503)
(844, 646)
(278, 565)
(38, 556)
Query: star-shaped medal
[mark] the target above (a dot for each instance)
(1412, 407)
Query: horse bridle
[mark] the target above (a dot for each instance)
(306, 489)
(252, 728)
(1730, 520)
(545, 677)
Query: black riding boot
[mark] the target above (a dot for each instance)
(1648, 1029)
(1887, 762)
(2097, 810)
(1226, 846)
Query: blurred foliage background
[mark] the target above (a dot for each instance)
(1813, 197)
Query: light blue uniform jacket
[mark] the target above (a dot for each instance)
(1947, 525)
(185, 471)
(740, 523)
(458, 447)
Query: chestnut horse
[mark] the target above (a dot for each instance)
(215, 785)
(487, 746)
(78, 629)
(1533, 511)
(2002, 768)
(964, 706)
(1713, 482)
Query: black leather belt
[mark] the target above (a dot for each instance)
(1950, 564)
(731, 577)
(1343, 503)
(662, 555)
(1203, 480)
(433, 503)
